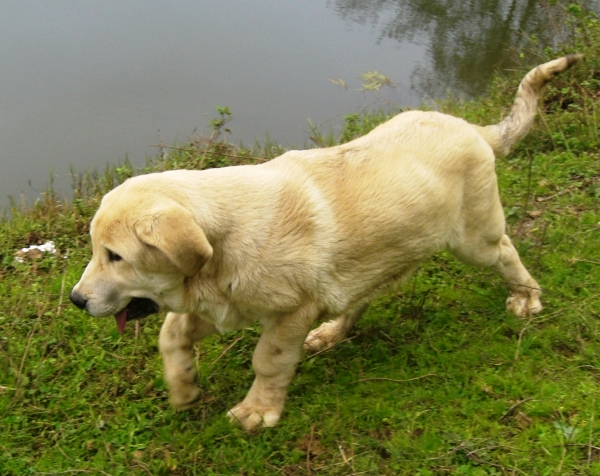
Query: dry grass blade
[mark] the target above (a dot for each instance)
(384, 379)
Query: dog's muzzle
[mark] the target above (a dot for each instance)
(137, 308)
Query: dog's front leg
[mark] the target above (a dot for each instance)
(176, 342)
(275, 359)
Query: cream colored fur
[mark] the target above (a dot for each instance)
(312, 235)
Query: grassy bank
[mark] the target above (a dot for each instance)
(436, 379)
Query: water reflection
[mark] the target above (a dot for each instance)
(467, 41)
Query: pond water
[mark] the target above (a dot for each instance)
(87, 83)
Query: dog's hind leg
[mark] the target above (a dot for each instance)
(331, 332)
(501, 256)
(176, 342)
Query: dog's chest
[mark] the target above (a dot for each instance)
(225, 316)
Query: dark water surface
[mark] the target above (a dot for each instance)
(84, 83)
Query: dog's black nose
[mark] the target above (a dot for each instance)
(78, 300)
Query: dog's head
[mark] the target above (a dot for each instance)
(144, 246)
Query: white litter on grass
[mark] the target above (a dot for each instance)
(47, 247)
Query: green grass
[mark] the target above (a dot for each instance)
(436, 379)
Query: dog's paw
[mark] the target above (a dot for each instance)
(323, 337)
(250, 417)
(185, 397)
(523, 305)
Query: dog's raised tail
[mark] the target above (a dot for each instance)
(504, 135)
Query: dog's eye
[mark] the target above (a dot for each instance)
(113, 256)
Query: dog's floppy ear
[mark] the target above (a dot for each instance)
(174, 231)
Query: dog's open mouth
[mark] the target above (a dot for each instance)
(136, 309)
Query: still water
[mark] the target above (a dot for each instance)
(84, 83)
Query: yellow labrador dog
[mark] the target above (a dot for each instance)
(313, 234)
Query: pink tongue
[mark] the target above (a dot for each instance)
(121, 319)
